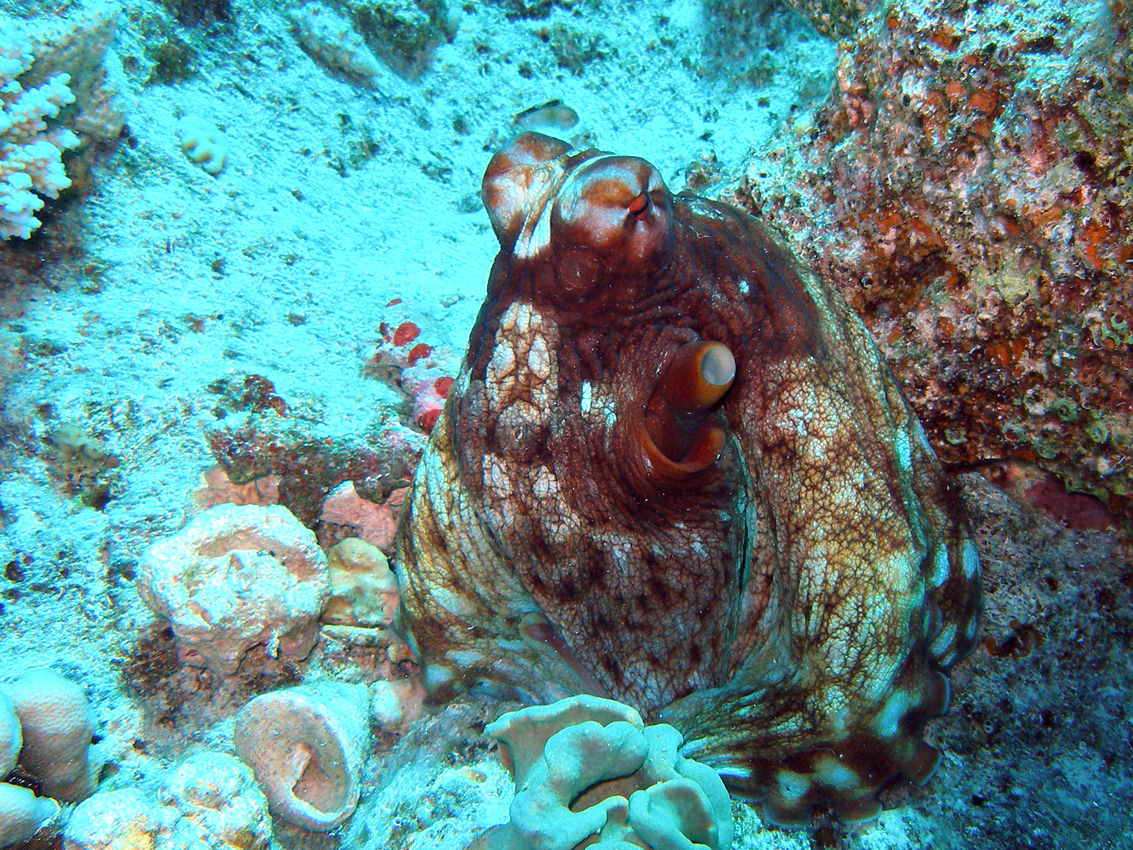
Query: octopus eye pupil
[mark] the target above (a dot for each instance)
(639, 206)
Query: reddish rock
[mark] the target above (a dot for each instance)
(967, 185)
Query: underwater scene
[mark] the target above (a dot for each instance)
(560, 424)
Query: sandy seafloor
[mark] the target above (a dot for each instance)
(282, 266)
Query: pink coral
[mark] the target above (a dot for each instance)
(374, 523)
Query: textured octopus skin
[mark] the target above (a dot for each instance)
(783, 572)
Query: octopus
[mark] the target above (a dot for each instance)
(675, 471)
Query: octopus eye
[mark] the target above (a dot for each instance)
(612, 224)
(517, 182)
(639, 206)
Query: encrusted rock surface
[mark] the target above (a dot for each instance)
(969, 185)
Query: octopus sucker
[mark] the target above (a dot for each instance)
(676, 472)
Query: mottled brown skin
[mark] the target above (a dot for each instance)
(784, 575)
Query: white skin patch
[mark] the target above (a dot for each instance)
(558, 524)
(732, 771)
(970, 560)
(467, 658)
(944, 642)
(941, 567)
(451, 602)
(837, 714)
(973, 627)
(502, 364)
(599, 407)
(622, 556)
(904, 453)
(539, 359)
(533, 242)
(538, 192)
(792, 786)
(497, 482)
(546, 486)
(519, 315)
(522, 359)
(835, 774)
(896, 707)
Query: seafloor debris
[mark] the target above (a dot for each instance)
(203, 143)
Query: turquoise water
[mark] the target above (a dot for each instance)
(273, 207)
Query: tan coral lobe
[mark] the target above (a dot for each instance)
(675, 471)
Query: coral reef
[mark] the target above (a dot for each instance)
(23, 814)
(79, 46)
(662, 410)
(56, 727)
(967, 188)
(304, 465)
(235, 577)
(307, 746)
(203, 143)
(1029, 757)
(11, 738)
(533, 9)
(360, 518)
(835, 18)
(350, 36)
(403, 360)
(306, 468)
(55, 96)
(404, 33)
(363, 599)
(45, 729)
(193, 13)
(396, 704)
(347, 220)
(363, 589)
(30, 156)
(111, 820)
(85, 466)
(586, 766)
(211, 800)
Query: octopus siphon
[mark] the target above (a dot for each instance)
(675, 471)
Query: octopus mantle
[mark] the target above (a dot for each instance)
(675, 471)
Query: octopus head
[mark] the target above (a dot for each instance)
(604, 222)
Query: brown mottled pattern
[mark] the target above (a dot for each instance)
(789, 607)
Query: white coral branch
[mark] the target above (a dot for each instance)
(30, 154)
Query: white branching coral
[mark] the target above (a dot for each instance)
(30, 153)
